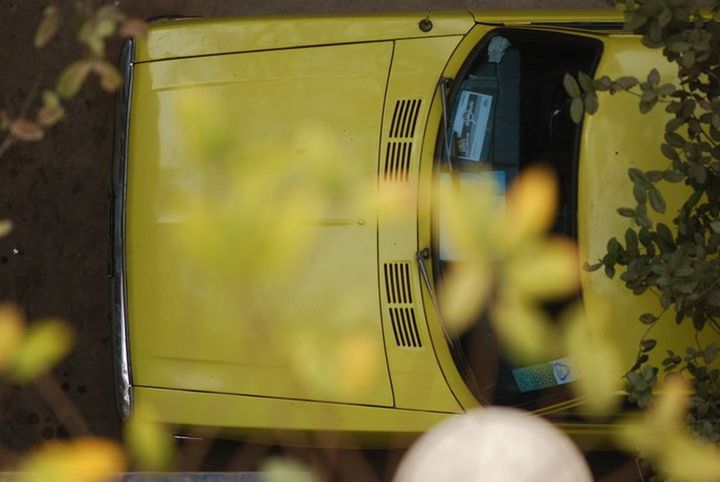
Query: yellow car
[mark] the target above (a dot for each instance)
(401, 96)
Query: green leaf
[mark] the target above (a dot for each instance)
(671, 175)
(592, 267)
(697, 172)
(591, 103)
(648, 96)
(666, 89)
(571, 86)
(603, 83)
(675, 139)
(626, 212)
(613, 247)
(48, 26)
(669, 152)
(631, 241)
(648, 318)
(715, 225)
(577, 109)
(640, 193)
(665, 17)
(634, 21)
(72, 78)
(710, 353)
(586, 82)
(679, 46)
(646, 106)
(655, 175)
(664, 233)
(627, 82)
(642, 218)
(639, 177)
(688, 59)
(647, 345)
(656, 200)
(674, 124)
(653, 77)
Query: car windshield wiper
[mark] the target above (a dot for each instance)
(448, 142)
(452, 338)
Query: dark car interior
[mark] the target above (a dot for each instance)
(507, 110)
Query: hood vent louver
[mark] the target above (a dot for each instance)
(399, 298)
(405, 118)
(398, 150)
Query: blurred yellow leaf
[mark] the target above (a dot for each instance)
(471, 221)
(276, 469)
(134, 27)
(26, 130)
(6, 227)
(596, 360)
(357, 362)
(662, 435)
(464, 292)
(669, 408)
(687, 459)
(110, 78)
(48, 26)
(93, 32)
(149, 442)
(87, 459)
(72, 78)
(525, 329)
(104, 28)
(45, 343)
(531, 203)
(11, 332)
(109, 13)
(544, 270)
(51, 111)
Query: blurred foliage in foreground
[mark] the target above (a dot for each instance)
(512, 267)
(93, 29)
(678, 263)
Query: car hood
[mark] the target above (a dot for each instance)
(189, 38)
(198, 127)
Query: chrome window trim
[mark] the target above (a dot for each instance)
(121, 346)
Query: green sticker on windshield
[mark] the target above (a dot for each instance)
(545, 375)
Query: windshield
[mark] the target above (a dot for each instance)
(507, 110)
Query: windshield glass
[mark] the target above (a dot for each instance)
(507, 110)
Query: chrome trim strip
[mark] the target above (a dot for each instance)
(121, 347)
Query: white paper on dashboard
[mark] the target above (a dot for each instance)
(471, 121)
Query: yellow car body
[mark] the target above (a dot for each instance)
(353, 74)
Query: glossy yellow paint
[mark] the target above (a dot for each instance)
(616, 138)
(418, 379)
(458, 386)
(187, 323)
(200, 367)
(286, 421)
(547, 15)
(188, 38)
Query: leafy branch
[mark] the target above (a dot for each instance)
(95, 29)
